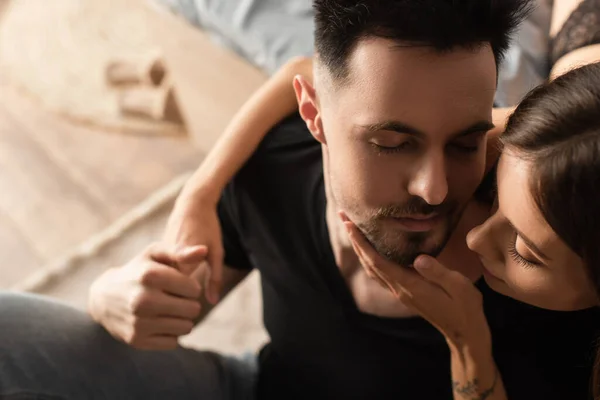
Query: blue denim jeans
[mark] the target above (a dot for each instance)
(50, 351)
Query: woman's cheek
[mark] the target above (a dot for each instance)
(534, 285)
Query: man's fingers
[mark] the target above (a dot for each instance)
(159, 304)
(214, 277)
(170, 280)
(166, 326)
(158, 342)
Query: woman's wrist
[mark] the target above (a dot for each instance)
(472, 352)
(474, 372)
(197, 196)
(203, 188)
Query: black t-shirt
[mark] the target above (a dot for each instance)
(322, 345)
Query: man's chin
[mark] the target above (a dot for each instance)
(405, 247)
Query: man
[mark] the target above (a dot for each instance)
(400, 107)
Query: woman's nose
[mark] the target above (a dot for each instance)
(483, 239)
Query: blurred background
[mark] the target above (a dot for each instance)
(106, 107)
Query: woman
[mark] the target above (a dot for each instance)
(540, 246)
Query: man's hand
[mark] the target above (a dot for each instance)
(149, 303)
(195, 224)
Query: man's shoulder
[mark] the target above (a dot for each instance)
(285, 173)
(276, 200)
(286, 138)
(288, 154)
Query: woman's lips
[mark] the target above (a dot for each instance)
(487, 273)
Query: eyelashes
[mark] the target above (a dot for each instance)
(395, 149)
(409, 146)
(519, 259)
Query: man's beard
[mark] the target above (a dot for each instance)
(403, 247)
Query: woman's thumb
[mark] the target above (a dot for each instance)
(189, 257)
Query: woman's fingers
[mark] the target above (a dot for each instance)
(397, 279)
(369, 258)
(452, 282)
(190, 257)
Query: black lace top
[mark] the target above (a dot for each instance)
(581, 29)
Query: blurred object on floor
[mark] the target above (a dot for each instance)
(211, 82)
(151, 72)
(147, 102)
(59, 52)
(62, 183)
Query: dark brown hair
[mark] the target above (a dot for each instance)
(557, 129)
(441, 24)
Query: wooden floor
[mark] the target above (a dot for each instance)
(61, 182)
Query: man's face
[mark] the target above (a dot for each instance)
(405, 140)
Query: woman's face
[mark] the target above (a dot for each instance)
(522, 256)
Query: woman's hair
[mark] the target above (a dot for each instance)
(557, 129)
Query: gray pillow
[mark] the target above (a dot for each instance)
(265, 32)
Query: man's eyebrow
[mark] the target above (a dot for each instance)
(394, 126)
(401, 127)
(529, 243)
(480, 126)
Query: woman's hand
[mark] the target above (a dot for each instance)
(196, 223)
(445, 298)
(451, 303)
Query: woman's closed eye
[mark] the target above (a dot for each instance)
(521, 260)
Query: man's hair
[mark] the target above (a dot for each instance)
(441, 24)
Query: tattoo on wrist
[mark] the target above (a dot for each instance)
(471, 390)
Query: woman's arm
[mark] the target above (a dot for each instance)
(194, 219)
(270, 104)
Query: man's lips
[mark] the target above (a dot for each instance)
(418, 222)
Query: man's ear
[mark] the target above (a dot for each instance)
(307, 105)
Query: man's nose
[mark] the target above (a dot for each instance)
(429, 181)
